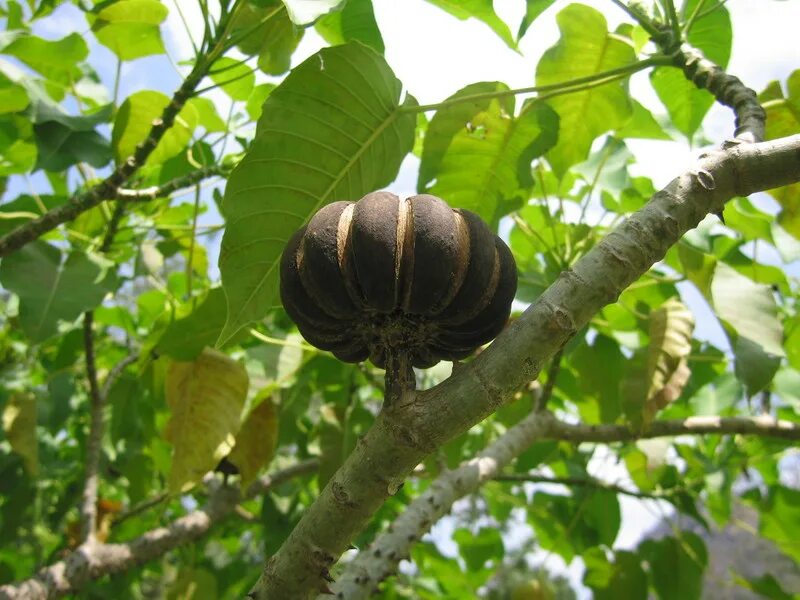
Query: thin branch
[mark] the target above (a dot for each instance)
(550, 384)
(380, 560)
(640, 18)
(589, 482)
(113, 227)
(400, 438)
(93, 561)
(115, 372)
(95, 438)
(140, 508)
(165, 189)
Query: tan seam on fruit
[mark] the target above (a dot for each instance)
(407, 264)
(403, 212)
(344, 248)
(462, 262)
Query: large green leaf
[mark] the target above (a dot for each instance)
(483, 10)
(303, 12)
(585, 48)
(333, 130)
(205, 397)
(780, 519)
(130, 28)
(487, 152)
(750, 316)
(51, 289)
(135, 118)
(354, 21)
(685, 103)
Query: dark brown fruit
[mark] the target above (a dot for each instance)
(382, 275)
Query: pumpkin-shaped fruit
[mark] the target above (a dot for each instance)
(382, 275)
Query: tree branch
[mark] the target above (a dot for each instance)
(589, 482)
(95, 438)
(380, 560)
(550, 384)
(165, 189)
(404, 433)
(94, 560)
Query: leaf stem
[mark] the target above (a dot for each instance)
(572, 85)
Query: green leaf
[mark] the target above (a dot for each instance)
(355, 21)
(234, 77)
(207, 116)
(624, 578)
(268, 33)
(334, 129)
(533, 8)
(185, 338)
(676, 565)
(135, 118)
(56, 60)
(717, 397)
(13, 97)
(257, 98)
(783, 118)
(750, 316)
(487, 152)
(59, 147)
(19, 425)
(478, 548)
(686, 104)
(765, 586)
(51, 289)
(483, 10)
(130, 28)
(780, 520)
(642, 124)
(585, 48)
(17, 146)
(205, 398)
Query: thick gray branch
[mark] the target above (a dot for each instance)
(380, 560)
(93, 560)
(407, 431)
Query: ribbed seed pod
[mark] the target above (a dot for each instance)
(384, 275)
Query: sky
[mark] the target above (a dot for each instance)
(434, 55)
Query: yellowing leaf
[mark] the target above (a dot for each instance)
(255, 443)
(19, 424)
(206, 397)
(656, 375)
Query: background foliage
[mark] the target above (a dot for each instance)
(200, 368)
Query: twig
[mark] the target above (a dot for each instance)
(588, 482)
(94, 440)
(93, 561)
(165, 189)
(552, 375)
(115, 372)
